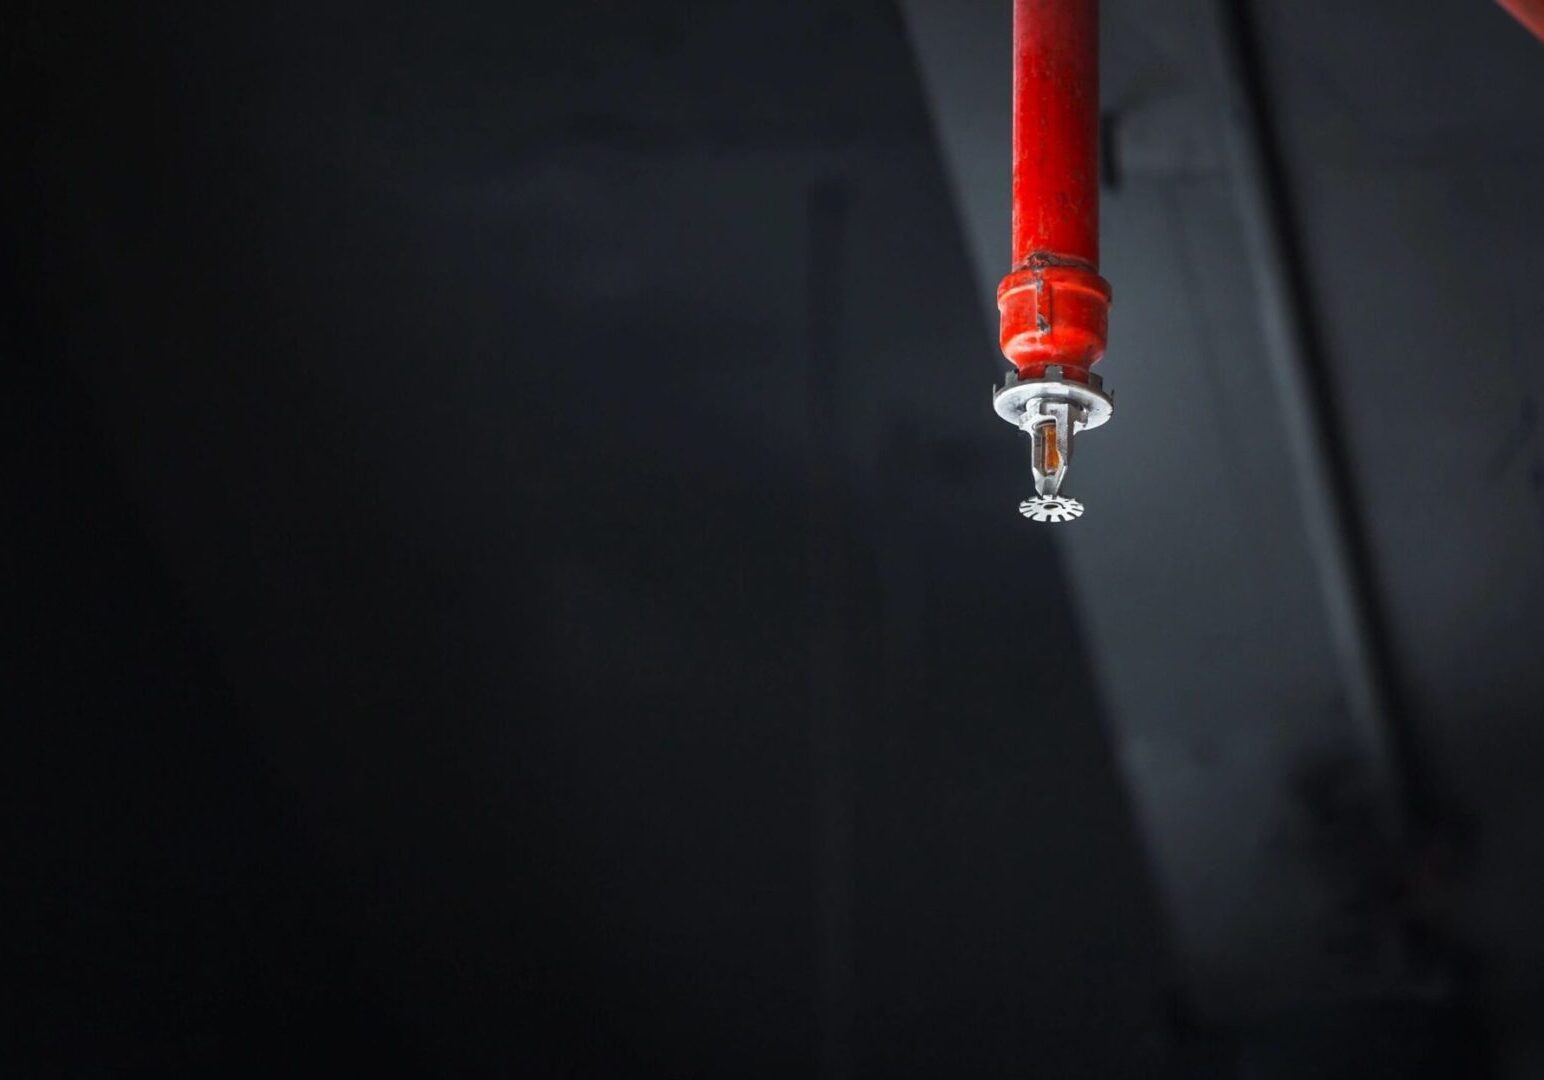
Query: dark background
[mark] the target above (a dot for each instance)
(511, 569)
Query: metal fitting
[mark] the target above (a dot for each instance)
(1051, 410)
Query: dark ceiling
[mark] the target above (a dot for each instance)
(514, 570)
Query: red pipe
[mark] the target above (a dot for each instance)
(1528, 12)
(1054, 304)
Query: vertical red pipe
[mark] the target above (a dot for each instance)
(1056, 130)
(1054, 304)
(1528, 12)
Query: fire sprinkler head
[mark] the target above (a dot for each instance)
(1054, 509)
(1051, 410)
